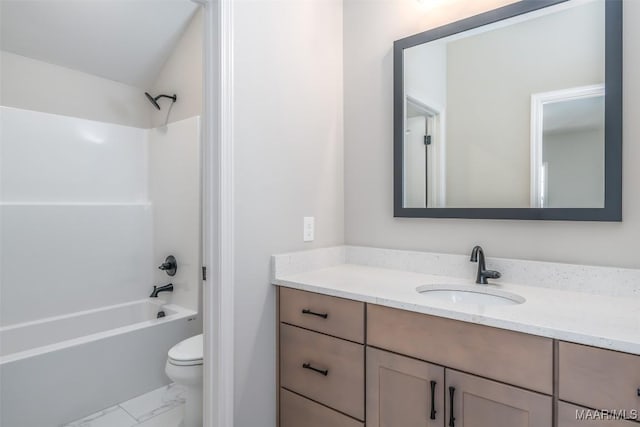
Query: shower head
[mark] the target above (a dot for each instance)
(154, 100)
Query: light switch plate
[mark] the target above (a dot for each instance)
(309, 226)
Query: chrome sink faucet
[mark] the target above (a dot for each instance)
(477, 255)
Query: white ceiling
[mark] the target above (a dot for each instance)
(123, 40)
(579, 114)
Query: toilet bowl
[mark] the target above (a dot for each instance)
(184, 367)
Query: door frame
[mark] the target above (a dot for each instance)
(538, 101)
(217, 214)
(438, 186)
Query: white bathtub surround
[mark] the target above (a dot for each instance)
(56, 369)
(90, 209)
(52, 158)
(159, 408)
(54, 259)
(174, 190)
(562, 302)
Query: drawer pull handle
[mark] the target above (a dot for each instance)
(313, 313)
(324, 372)
(638, 391)
(452, 420)
(433, 400)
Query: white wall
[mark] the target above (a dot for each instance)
(76, 222)
(370, 27)
(288, 137)
(174, 190)
(35, 85)
(426, 74)
(182, 74)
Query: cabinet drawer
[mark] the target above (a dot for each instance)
(507, 356)
(330, 315)
(297, 411)
(597, 378)
(577, 416)
(338, 380)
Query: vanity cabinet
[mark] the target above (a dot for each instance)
(427, 371)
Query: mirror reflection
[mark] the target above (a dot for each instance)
(509, 115)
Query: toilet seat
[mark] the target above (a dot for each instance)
(185, 362)
(187, 352)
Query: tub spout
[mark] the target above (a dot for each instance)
(157, 290)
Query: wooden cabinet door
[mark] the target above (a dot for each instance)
(477, 402)
(399, 391)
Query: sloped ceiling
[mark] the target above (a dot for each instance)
(123, 40)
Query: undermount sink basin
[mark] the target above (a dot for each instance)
(470, 294)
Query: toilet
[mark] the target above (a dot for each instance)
(184, 367)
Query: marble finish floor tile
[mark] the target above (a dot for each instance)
(163, 407)
(171, 418)
(155, 402)
(111, 417)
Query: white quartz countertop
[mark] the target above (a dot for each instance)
(598, 320)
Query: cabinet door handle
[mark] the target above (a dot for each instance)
(452, 420)
(433, 400)
(324, 372)
(313, 313)
(638, 391)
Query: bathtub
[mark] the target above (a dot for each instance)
(59, 369)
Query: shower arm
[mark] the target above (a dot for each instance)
(173, 98)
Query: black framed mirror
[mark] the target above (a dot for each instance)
(515, 113)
